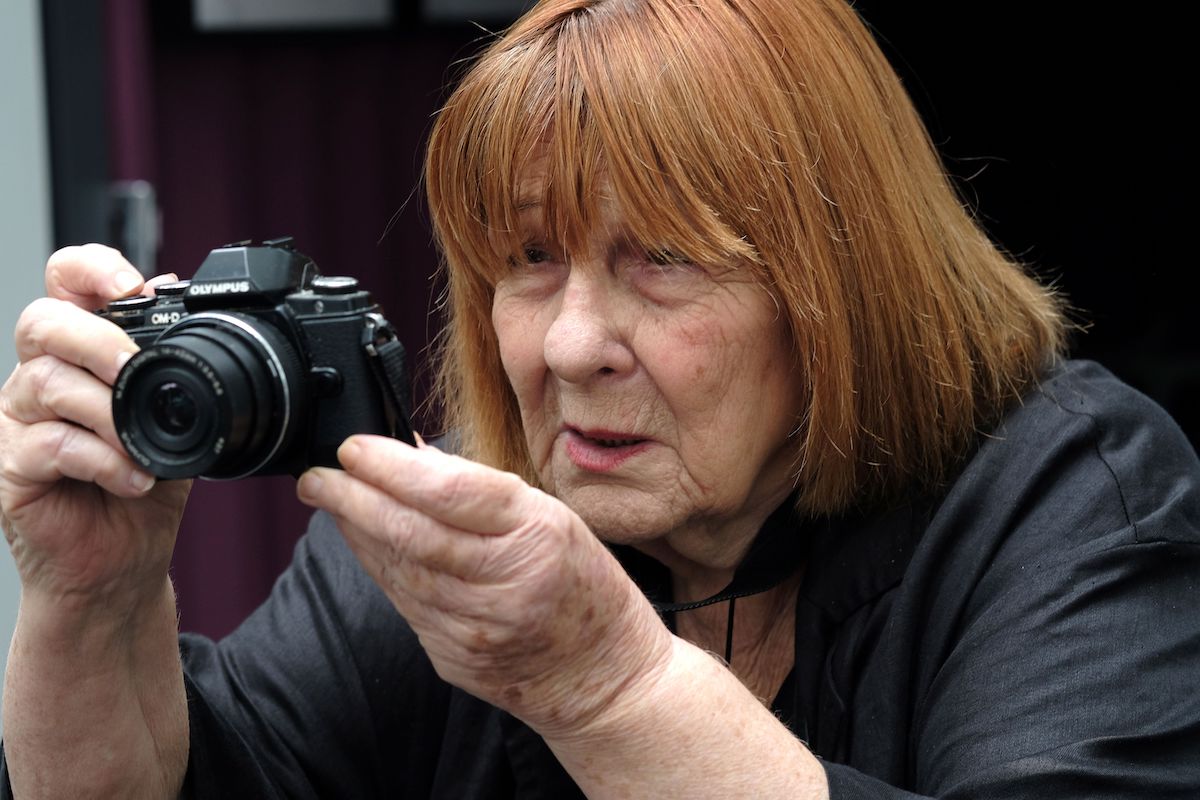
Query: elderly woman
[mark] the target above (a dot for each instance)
(771, 480)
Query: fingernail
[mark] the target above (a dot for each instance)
(420, 441)
(142, 481)
(153, 284)
(122, 357)
(126, 282)
(348, 453)
(310, 484)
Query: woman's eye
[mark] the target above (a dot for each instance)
(534, 255)
(530, 256)
(666, 258)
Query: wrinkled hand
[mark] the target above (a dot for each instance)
(83, 523)
(513, 598)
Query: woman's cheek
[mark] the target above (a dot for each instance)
(521, 342)
(520, 338)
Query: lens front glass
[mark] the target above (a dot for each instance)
(176, 407)
(215, 396)
(173, 409)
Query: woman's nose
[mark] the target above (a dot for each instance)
(585, 339)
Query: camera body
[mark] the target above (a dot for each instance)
(258, 365)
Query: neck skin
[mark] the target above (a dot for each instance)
(764, 635)
(703, 555)
(764, 624)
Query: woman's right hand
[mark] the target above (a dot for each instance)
(84, 523)
(94, 701)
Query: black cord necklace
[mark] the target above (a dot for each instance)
(729, 635)
(776, 554)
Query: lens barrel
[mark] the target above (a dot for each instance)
(218, 395)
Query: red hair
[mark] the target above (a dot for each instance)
(771, 134)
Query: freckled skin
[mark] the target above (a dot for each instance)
(521, 605)
(657, 405)
(688, 356)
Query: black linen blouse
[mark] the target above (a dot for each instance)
(1033, 632)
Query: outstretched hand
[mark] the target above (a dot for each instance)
(513, 598)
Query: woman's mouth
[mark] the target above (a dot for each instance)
(602, 451)
(615, 442)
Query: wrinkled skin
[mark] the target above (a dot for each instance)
(689, 362)
(94, 703)
(512, 596)
(633, 378)
(83, 524)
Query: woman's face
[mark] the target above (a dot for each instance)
(657, 395)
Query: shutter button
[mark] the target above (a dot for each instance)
(167, 289)
(334, 284)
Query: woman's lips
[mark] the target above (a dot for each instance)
(602, 450)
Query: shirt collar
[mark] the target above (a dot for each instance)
(851, 559)
(857, 556)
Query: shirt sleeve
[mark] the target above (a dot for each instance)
(1059, 654)
(1077, 685)
(301, 700)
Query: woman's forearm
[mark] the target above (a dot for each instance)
(690, 730)
(94, 704)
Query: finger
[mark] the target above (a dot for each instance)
(48, 388)
(458, 492)
(158, 280)
(58, 328)
(430, 599)
(90, 275)
(400, 533)
(413, 588)
(50, 451)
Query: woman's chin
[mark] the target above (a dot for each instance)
(619, 514)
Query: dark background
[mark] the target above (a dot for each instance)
(1064, 130)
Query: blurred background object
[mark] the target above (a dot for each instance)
(176, 127)
(25, 214)
(241, 15)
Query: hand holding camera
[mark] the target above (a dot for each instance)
(258, 365)
(88, 528)
(92, 535)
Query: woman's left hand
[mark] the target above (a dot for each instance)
(513, 598)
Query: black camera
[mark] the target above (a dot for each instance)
(258, 365)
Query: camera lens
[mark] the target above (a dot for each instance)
(218, 395)
(174, 409)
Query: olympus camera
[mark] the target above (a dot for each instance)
(259, 365)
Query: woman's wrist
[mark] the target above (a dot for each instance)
(78, 621)
(636, 709)
(625, 660)
(116, 676)
(688, 729)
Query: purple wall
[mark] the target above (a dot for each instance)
(257, 136)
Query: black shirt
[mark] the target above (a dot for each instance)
(1032, 632)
